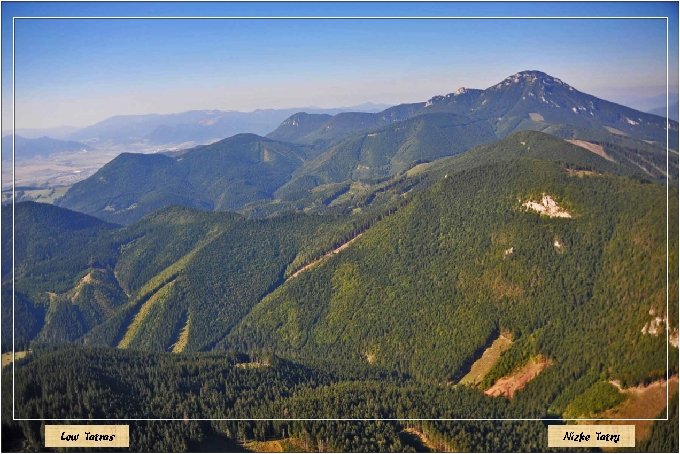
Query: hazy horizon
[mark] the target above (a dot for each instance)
(78, 72)
(646, 103)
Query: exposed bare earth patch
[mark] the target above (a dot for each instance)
(253, 365)
(657, 326)
(581, 173)
(370, 357)
(536, 116)
(485, 363)
(282, 445)
(426, 442)
(507, 386)
(673, 337)
(88, 279)
(8, 357)
(132, 330)
(615, 131)
(593, 148)
(558, 245)
(547, 207)
(183, 339)
(641, 402)
(316, 262)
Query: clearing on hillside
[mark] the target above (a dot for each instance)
(597, 149)
(581, 173)
(418, 169)
(7, 357)
(485, 363)
(641, 402)
(183, 338)
(337, 250)
(134, 327)
(282, 445)
(507, 386)
(615, 131)
(422, 442)
(547, 207)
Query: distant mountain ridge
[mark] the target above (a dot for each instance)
(26, 148)
(305, 159)
(525, 100)
(192, 127)
(529, 100)
(661, 111)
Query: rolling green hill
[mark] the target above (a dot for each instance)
(62, 273)
(222, 176)
(176, 273)
(388, 151)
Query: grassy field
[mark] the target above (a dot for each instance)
(48, 195)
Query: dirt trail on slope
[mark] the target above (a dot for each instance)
(316, 262)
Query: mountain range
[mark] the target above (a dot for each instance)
(501, 253)
(159, 131)
(29, 148)
(365, 147)
(672, 111)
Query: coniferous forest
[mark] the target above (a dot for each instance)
(451, 279)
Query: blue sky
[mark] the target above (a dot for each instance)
(77, 72)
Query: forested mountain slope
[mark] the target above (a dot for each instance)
(374, 305)
(390, 150)
(309, 154)
(423, 290)
(176, 271)
(383, 144)
(222, 176)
